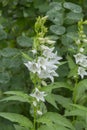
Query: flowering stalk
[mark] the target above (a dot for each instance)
(80, 57)
(43, 66)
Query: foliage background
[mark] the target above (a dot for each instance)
(17, 20)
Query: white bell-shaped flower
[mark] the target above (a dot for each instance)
(39, 96)
(82, 72)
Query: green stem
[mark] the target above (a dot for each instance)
(35, 110)
(74, 95)
(74, 92)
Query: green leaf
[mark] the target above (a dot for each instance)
(73, 35)
(75, 112)
(51, 99)
(80, 124)
(56, 5)
(6, 125)
(17, 93)
(9, 52)
(28, 12)
(56, 85)
(55, 118)
(59, 30)
(74, 16)
(72, 29)
(24, 41)
(55, 16)
(80, 90)
(17, 127)
(26, 56)
(3, 34)
(17, 118)
(17, 96)
(80, 107)
(73, 7)
(63, 101)
(52, 127)
(71, 63)
(73, 72)
(43, 7)
(4, 77)
(66, 41)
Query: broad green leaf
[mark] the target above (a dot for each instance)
(59, 30)
(73, 7)
(66, 41)
(12, 62)
(74, 16)
(56, 119)
(52, 127)
(24, 41)
(17, 118)
(55, 5)
(72, 35)
(80, 89)
(3, 34)
(9, 52)
(51, 99)
(63, 101)
(17, 127)
(72, 29)
(55, 16)
(4, 77)
(6, 125)
(80, 124)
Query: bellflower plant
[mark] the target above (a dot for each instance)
(43, 66)
(37, 90)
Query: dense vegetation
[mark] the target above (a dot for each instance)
(26, 25)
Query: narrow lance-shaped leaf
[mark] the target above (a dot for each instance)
(17, 118)
(56, 85)
(16, 96)
(26, 56)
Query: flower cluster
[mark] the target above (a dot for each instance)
(81, 60)
(80, 57)
(46, 64)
